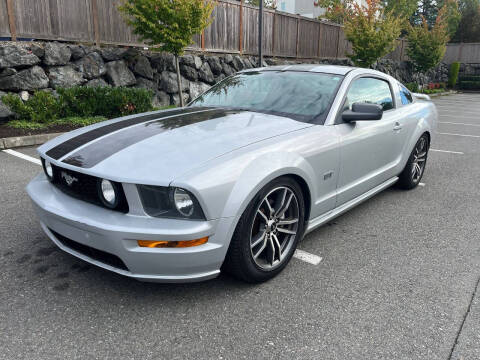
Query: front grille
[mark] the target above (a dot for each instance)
(95, 254)
(85, 187)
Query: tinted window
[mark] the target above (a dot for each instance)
(370, 90)
(405, 95)
(301, 95)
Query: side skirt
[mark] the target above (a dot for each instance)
(322, 219)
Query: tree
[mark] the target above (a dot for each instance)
(372, 31)
(269, 4)
(469, 26)
(426, 47)
(426, 9)
(168, 25)
(400, 8)
(335, 10)
(452, 14)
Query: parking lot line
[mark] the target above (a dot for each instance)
(421, 184)
(307, 257)
(23, 156)
(457, 123)
(465, 135)
(448, 151)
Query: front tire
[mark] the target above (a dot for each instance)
(267, 233)
(412, 174)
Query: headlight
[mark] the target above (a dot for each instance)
(183, 202)
(108, 193)
(170, 202)
(47, 167)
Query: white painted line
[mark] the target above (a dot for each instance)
(421, 184)
(307, 257)
(457, 123)
(23, 156)
(448, 151)
(464, 135)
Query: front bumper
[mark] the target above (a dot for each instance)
(63, 217)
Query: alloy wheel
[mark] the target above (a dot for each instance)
(419, 159)
(274, 228)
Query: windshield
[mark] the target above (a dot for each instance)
(305, 96)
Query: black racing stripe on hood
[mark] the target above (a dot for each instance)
(71, 144)
(98, 151)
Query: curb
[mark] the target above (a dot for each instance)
(30, 140)
(443, 93)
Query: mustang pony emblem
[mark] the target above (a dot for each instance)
(68, 179)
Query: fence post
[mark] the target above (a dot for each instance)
(11, 20)
(273, 33)
(96, 29)
(296, 50)
(319, 39)
(240, 34)
(338, 41)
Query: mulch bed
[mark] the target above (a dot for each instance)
(6, 131)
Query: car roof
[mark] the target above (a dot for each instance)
(329, 69)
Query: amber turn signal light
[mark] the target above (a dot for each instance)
(172, 244)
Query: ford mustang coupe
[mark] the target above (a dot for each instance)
(236, 178)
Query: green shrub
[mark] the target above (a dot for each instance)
(41, 107)
(79, 121)
(453, 74)
(26, 125)
(470, 85)
(413, 87)
(72, 121)
(104, 101)
(469, 78)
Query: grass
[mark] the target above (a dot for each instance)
(71, 121)
(74, 121)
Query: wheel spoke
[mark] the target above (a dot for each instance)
(262, 248)
(263, 215)
(286, 231)
(287, 222)
(258, 239)
(284, 208)
(270, 209)
(275, 239)
(272, 258)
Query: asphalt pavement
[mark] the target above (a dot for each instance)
(398, 280)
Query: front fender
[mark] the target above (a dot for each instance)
(260, 171)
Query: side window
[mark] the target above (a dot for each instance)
(370, 90)
(405, 95)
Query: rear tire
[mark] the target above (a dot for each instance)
(267, 233)
(412, 174)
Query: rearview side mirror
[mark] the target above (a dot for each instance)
(363, 112)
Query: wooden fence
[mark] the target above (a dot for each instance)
(234, 29)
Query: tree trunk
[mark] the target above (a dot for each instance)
(180, 94)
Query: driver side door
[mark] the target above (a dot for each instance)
(369, 150)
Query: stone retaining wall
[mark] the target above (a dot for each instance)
(27, 67)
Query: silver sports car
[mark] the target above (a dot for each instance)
(235, 179)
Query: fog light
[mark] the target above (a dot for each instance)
(172, 244)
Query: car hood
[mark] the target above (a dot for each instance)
(156, 148)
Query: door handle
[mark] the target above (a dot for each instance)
(397, 126)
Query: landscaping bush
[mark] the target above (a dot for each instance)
(453, 74)
(70, 121)
(469, 85)
(413, 87)
(109, 102)
(469, 78)
(40, 108)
